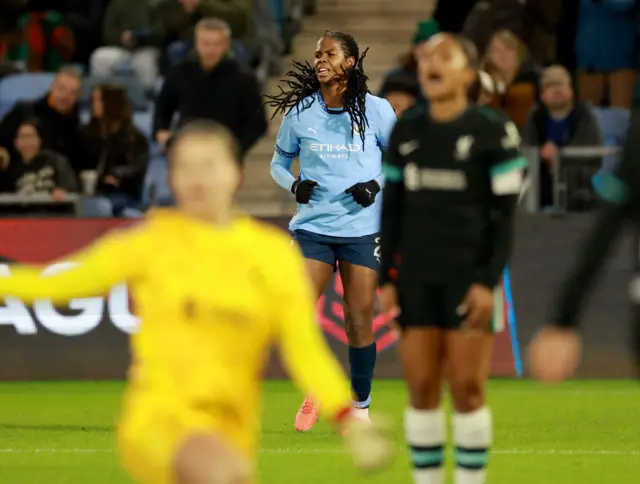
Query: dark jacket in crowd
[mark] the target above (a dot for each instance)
(227, 94)
(46, 172)
(122, 156)
(124, 15)
(60, 132)
(579, 128)
(171, 22)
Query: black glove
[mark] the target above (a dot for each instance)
(364, 193)
(303, 189)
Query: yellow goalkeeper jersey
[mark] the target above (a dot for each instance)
(212, 302)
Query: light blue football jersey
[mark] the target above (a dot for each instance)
(336, 160)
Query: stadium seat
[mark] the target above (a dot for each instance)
(23, 87)
(136, 92)
(614, 123)
(143, 121)
(155, 190)
(158, 87)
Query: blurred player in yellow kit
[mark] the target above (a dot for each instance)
(214, 289)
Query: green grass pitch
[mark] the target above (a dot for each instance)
(578, 432)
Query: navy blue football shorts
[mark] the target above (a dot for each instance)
(360, 251)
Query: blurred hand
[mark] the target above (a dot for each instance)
(369, 443)
(127, 38)
(162, 137)
(554, 354)
(388, 300)
(549, 152)
(477, 308)
(111, 180)
(58, 194)
(4, 158)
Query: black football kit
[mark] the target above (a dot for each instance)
(451, 190)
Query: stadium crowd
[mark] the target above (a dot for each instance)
(90, 91)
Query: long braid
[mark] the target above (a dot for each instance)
(303, 82)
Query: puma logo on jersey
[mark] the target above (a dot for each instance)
(463, 147)
(313, 131)
(405, 149)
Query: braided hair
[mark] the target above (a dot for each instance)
(303, 82)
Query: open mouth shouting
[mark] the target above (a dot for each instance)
(323, 73)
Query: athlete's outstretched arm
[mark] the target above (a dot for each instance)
(286, 150)
(304, 351)
(113, 259)
(392, 210)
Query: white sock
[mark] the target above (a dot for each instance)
(361, 414)
(425, 431)
(473, 435)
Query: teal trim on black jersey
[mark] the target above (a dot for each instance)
(611, 188)
(508, 166)
(392, 173)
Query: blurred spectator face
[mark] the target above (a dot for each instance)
(204, 175)
(557, 92)
(65, 91)
(189, 6)
(400, 101)
(97, 105)
(211, 46)
(28, 141)
(505, 54)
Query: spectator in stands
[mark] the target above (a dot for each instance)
(121, 150)
(177, 19)
(515, 84)
(408, 67)
(212, 86)
(40, 42)
(402, 93)
(534, 22)
(127, 42)
(58, 114)
(559, 121)
(606, 51)
(34, 170)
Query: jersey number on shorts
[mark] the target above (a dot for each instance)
(377, 249)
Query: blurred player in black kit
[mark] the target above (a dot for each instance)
(453, 175)
(555, 352)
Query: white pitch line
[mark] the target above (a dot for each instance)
(336, 451)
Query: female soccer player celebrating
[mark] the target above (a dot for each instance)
(338, 130)
(453, 176)
(192, 408)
